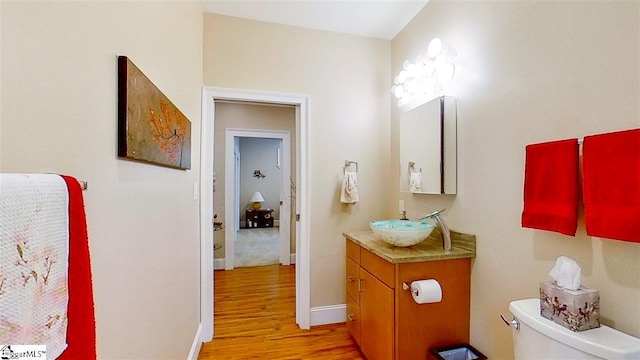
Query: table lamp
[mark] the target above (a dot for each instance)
(256, 199)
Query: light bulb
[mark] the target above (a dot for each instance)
(429, 66)
(399, 91)
(422, 86)
(429, 82)
(411, 69)
(434, 48)
(451, 54)
(405, 64)
(402, 77)
(420, 70)
(396, 80)
(447, 71)
(411, 86)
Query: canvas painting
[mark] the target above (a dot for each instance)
(150, 128)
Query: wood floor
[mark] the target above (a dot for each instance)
(254, 318)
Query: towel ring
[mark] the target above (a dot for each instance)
(347, 163)
(411, 166)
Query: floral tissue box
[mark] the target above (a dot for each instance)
(577, 310)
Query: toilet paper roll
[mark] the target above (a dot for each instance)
(426, 291)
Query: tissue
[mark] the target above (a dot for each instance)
(566, 273)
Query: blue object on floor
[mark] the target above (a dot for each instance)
(457, 352)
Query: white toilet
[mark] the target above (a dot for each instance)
(535, 337)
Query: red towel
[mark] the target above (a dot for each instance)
(81, 329)
(611, 166)
(551, 187)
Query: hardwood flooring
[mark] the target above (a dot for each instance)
(254, 318)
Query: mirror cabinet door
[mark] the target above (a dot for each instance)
(428, 148)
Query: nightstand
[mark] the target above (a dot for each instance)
(262, 218)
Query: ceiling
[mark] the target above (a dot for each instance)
(381, 19)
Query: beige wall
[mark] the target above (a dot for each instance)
(59, 100)
(529, 72)
(230, 115)
(347, 81)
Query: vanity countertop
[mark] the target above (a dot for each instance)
(462, 246)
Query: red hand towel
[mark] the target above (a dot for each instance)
(551, 187)
(81, 329)
(611, 166)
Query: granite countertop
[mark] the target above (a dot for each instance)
(431, 249)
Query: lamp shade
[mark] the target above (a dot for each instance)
(257, 197)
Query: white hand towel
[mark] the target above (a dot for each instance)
(349, 193)
(34, 255)
(415, 182)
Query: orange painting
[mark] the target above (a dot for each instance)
(150, 128)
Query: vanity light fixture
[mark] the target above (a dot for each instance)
(426, 78)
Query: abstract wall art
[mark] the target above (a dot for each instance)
(151, 128)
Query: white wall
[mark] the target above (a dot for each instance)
(347, 81)
(59, 100)
(529, 72)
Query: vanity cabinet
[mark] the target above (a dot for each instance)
(386, 322)
(376, 317)
(370, 302)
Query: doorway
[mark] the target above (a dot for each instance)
(302, 226)
(280, 160)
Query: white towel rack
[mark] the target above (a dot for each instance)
(411, 166)
(347, 163)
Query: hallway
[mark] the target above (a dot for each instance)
(255, 319)
(257, 247)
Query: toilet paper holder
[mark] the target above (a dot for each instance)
(426, 291)
(406, 287)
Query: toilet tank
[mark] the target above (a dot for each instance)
(540, 338)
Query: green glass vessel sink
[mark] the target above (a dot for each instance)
(401, 233)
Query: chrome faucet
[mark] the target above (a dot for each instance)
(446, 235)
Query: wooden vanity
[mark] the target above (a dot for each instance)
(383, 318)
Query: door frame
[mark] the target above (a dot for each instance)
(231, 180)
(303, 268)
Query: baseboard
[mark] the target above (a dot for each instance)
(196, 345)
(218, 264)
(292, 259)
(332, 314)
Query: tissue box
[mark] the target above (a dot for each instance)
(577, 310)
